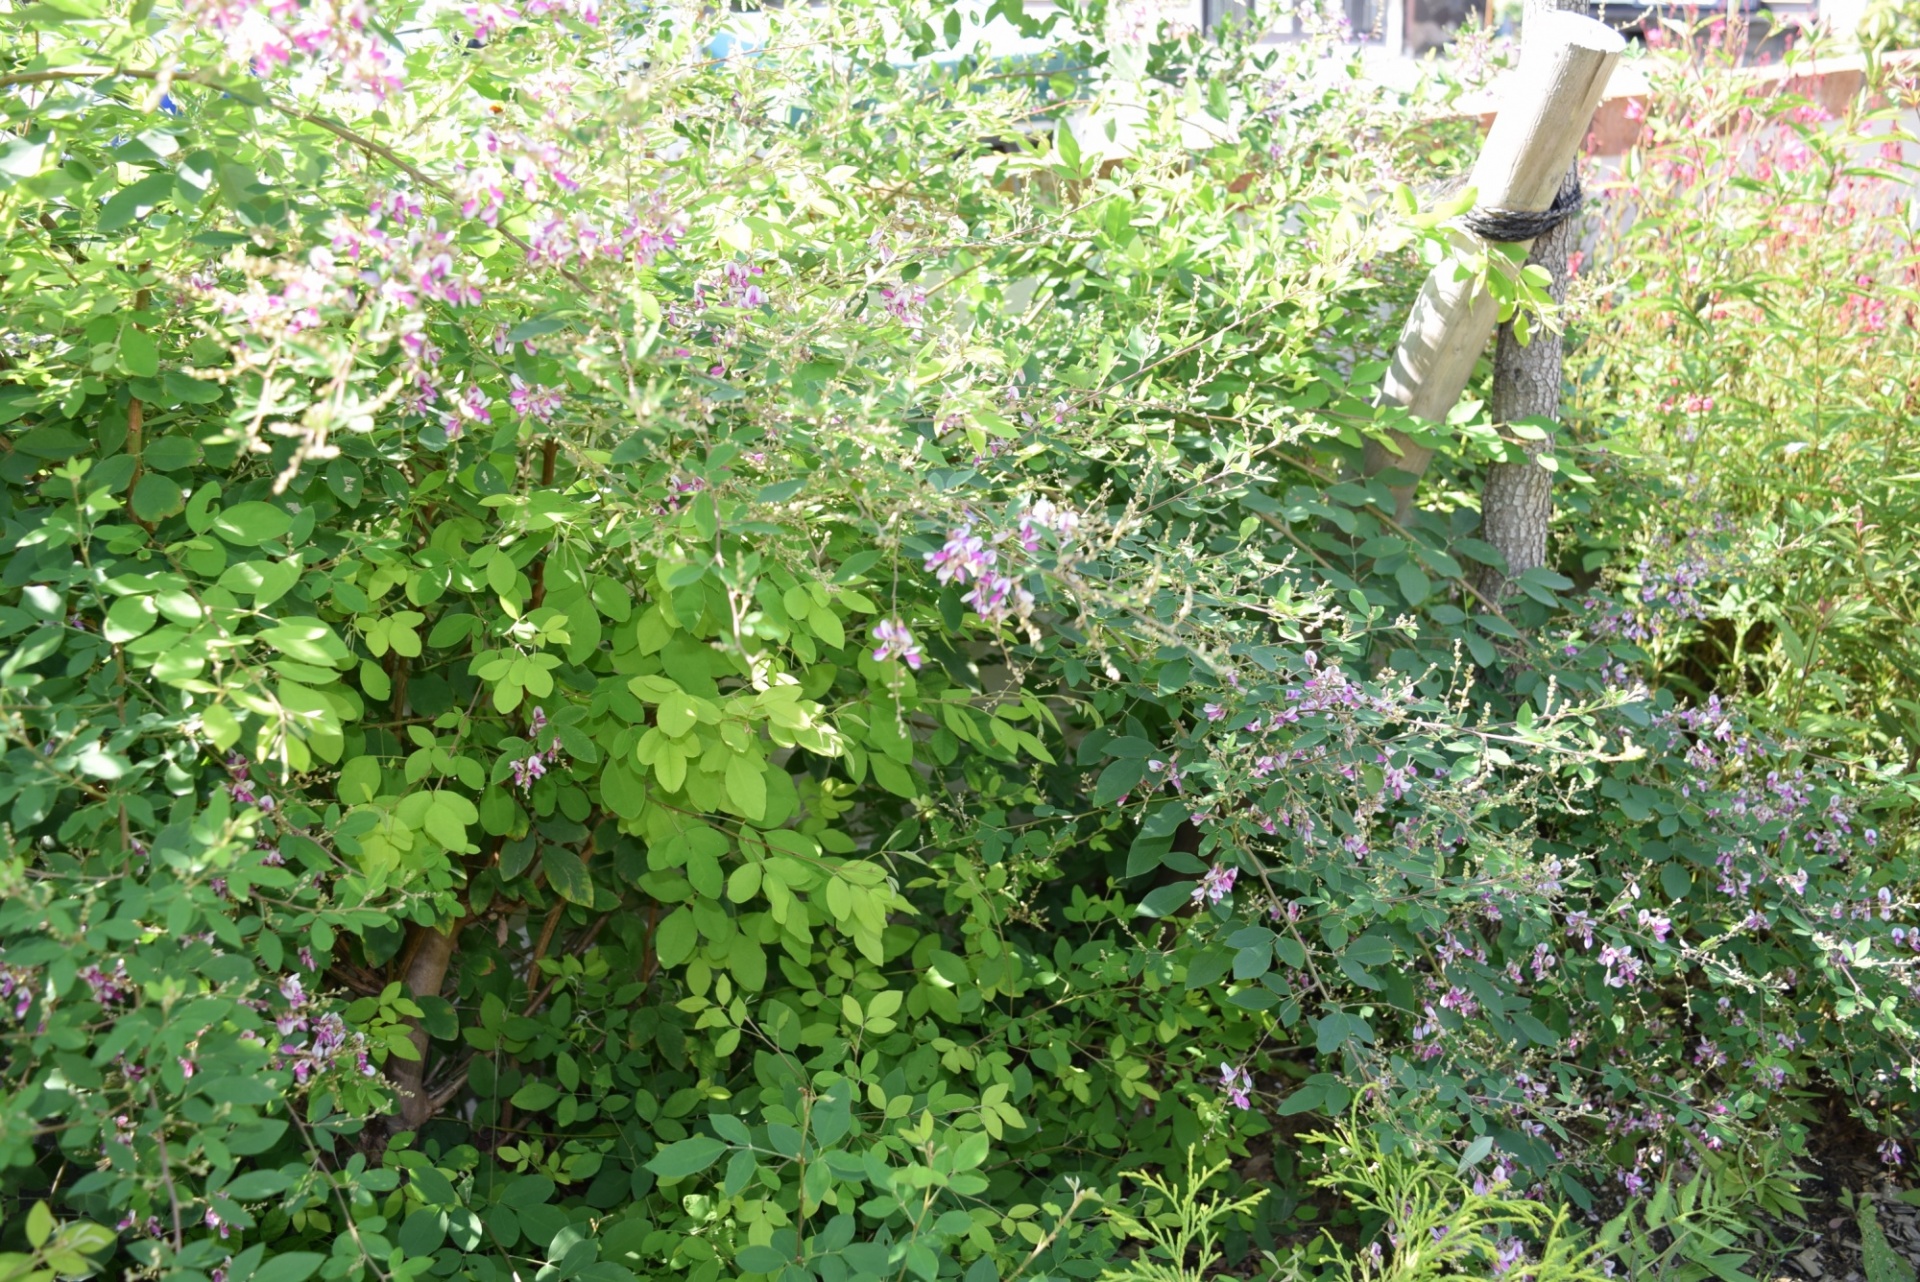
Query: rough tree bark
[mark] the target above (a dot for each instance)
(1516, 503)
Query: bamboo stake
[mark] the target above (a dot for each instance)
(1563, 70)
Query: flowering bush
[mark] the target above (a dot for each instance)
(645, 644)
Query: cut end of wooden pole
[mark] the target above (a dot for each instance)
(1548, 29)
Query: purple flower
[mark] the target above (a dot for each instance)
(1213, 711)
(1890, 1153)
(469, 405)
(537, 402)
(904, 305)
(1043, 514)
(1237, 1083)
(895, 641)
(109, 989)
(1216, 885)
(1623, 968)
(527, 770)
(962, 558)
(997, 597)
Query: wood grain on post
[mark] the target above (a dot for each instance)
(1543, 119)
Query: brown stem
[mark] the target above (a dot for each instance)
(397, 669)
(429, 954)
(136, 427)
(550, 452)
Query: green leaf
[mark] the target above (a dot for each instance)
(747, 786)
(39, 1225)
(1475, 1152)
(359, 781)
(250, 1186)
(1118, 779)
(536, 1096)
(171, 453)
(138, 356)
(130, 617)
(156, 498)
(22, 157)
(1676, 880)
(1251, 963)
(686, 1157)
(294, 1266)
(1163, 900)
(677, 714)
(676, 938)
(423, 1231)
(251, 524)
(193, 391)
(567, 874)
(135, 202)
(760, 1259)
(1413, 583)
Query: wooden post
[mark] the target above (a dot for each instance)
(1563, 70)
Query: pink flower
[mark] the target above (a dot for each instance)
(489, 18)
(1795, 155)
(1216, 885)
(896, 642)
(962, 558)
(536, 402)
(1237, 1083)
(998, 597)
(527, 770)
(904, 305)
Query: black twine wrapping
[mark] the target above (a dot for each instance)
(1509, 226)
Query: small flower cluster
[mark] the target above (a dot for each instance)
(579, 240)
(1216, 885)
(904, 304)
(534, 766)
(266, 35)
(535, 401)
(240, 786)
(895, 641)
(310, 1043)
(110, 988)
(1238, 1085)
(16, 989)
(966, 558)
(739, 286)
(1043, 514)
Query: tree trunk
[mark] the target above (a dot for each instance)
(425, 971)
(1516, 503)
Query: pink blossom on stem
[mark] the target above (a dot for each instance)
(1238, 1084)
(895, 641)
(1216, 885)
